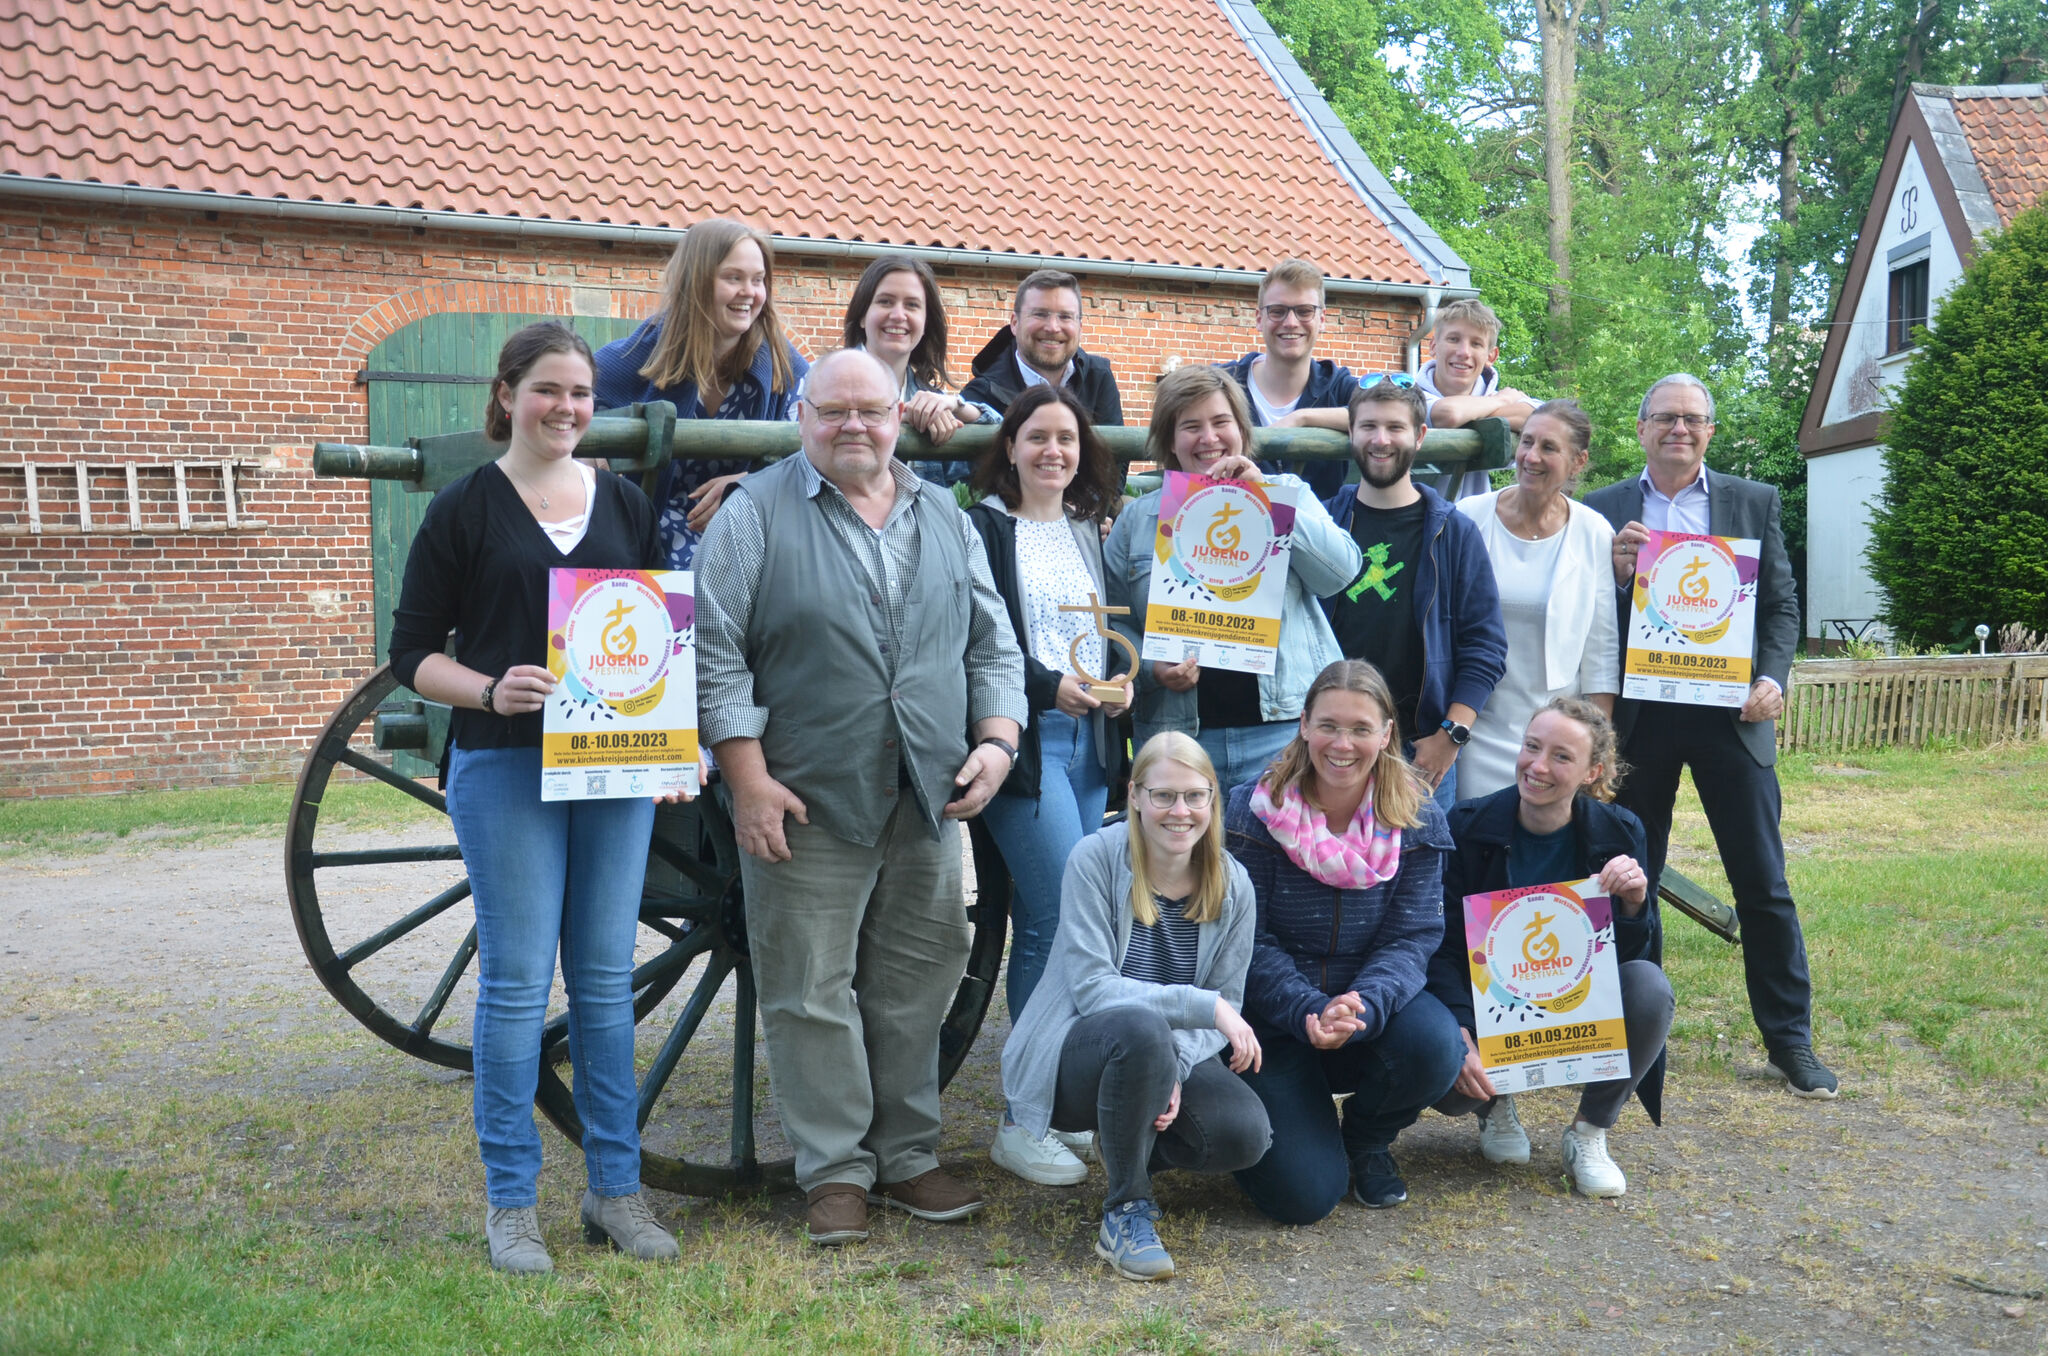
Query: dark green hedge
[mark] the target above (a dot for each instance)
(1962, 534)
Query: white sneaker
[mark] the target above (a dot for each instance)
(1080, 1143)
(1044, 1161)
(1585, 1158)
(1501, 1136)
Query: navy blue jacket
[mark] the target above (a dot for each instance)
(619, 384)
(1314, 941)
(997, 381)
(1481, 830)
(1329, 388)
(1457, 608)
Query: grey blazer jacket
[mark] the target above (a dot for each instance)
(1735, 508)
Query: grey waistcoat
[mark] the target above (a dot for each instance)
(838, 729)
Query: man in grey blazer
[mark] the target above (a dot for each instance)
(1733, 754)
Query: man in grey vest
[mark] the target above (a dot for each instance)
(849, 638)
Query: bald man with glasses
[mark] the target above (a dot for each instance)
(1733, 755)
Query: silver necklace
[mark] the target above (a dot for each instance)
(516, 484)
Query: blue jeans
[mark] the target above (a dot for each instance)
(1241, 752)
(1036, 837)
(564, 876)
(1411, 1064)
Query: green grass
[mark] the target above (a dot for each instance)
(92, 823)
(1920, 880)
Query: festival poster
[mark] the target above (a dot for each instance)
(1692, 620)
(1546, 987)
(622, 720)
(1220, 572)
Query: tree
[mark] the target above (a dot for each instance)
(1959, 537)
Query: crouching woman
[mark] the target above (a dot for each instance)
(1134, 1030)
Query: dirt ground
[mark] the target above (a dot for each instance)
(1753, 1221)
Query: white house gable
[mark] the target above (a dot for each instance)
(1914, 264)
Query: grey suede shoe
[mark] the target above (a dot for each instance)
(628, 1222)
(514, 1236)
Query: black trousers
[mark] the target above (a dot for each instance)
(1743, 808)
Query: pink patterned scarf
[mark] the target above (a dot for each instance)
(1363, 857)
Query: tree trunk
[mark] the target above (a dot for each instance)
(1915, 56)
(1788, 60)
(1558, 23)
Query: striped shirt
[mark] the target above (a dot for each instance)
(729, 574)
(1163, 952)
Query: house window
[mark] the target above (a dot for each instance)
(1908, 306)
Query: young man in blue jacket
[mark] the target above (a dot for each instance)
(1288, 385)
(1424, 610)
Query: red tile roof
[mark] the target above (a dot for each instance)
(2009, 136)
(1143, 130)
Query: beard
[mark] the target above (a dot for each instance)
(1404, 460)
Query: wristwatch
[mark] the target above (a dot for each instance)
(1005, 745)
(490, 694)
(1459, 733)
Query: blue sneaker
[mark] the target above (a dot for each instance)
(1376, 1178)
(1130, 1244)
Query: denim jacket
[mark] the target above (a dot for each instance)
(1323, 560)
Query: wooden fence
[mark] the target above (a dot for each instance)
(1876, 703)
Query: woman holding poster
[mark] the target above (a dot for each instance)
(1556, 824)
(1344, 847)
(1551, 561)
(1135, 1031)
(1048, 481)
(1202, 425)
(544, 876)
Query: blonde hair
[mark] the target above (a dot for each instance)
(1181, 388)
(1397, 791)
(1212, 869)
(1472, 311)
(1602, 746)
(687, 348)
(1292, 273)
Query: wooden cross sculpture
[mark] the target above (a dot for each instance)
(1102, 689)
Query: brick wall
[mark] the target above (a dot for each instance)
(177, 657)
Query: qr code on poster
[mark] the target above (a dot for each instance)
(1533, 1078)
(1667, 691)
(593, 783)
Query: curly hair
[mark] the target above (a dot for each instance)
(1606, 751)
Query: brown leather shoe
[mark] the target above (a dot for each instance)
(838, 1214)
(929, 1195)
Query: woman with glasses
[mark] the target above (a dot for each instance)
(1552, 563)
(715, 350)
(1134, 1032)
(897, 315)
(1557, 823)
(1344, 848)
(1201, 424)
(1047, 482)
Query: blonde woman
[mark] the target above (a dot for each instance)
(1344, 849)
(715, 350)
(1134, 1031)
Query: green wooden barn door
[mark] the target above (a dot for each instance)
(432, 377)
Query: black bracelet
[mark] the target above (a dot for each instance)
(1005, 745)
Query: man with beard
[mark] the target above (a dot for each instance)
(1042, 346)
(1424, 610)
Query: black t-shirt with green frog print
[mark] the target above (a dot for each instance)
(1374, 617)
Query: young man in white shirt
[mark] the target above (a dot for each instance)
(1461, 383)
(1288, 385)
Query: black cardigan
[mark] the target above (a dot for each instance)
(479, 567)
(1041, 684)
(1478, 864)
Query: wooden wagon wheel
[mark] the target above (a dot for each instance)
(695, 926)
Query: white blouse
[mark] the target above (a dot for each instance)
(1051, 573)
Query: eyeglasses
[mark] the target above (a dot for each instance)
(1276, 314)
(1058, 317)
(1197, 799)
(1400, 379)
(1325, 729)
(1693, 422)
(833, 416)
